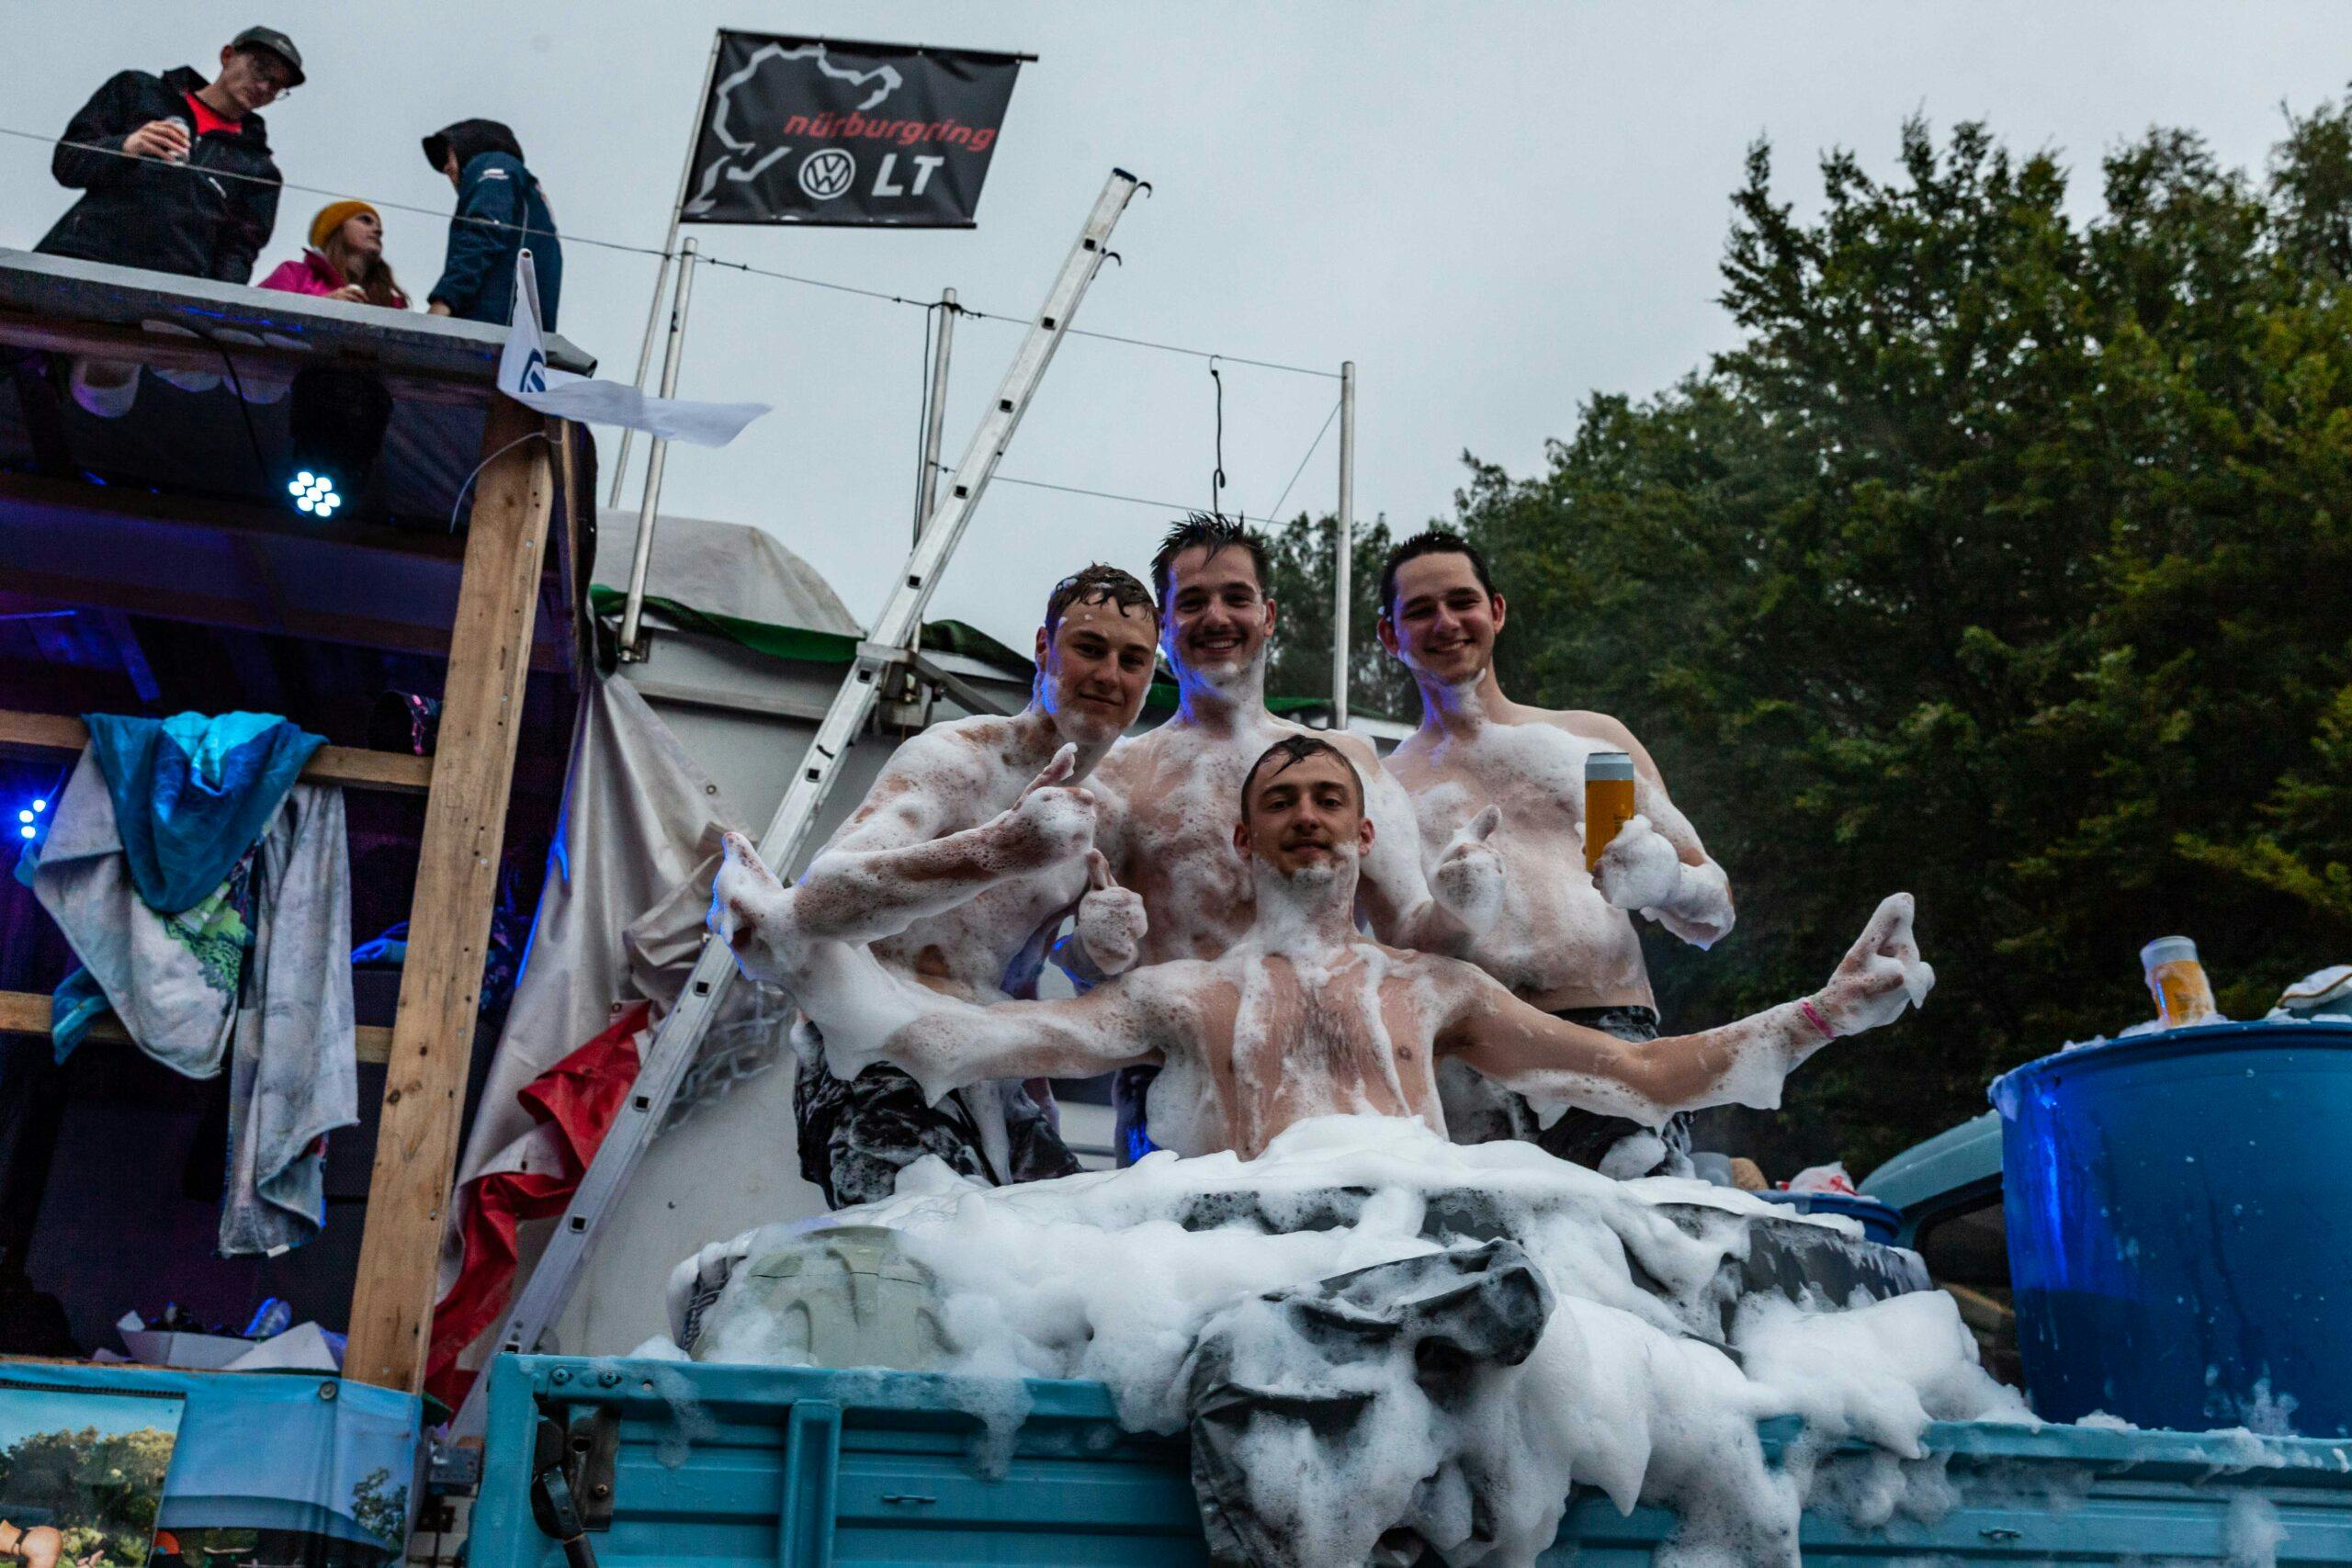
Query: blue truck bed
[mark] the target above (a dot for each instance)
(710, 1466)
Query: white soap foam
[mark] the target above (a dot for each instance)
(1093, 1277)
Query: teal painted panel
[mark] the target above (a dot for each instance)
(732, 1467)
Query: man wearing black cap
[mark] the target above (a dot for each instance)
(175, 170)
(499, 212)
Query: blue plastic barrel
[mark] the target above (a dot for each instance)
(2179, 1212)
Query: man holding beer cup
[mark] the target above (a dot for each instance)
(175, 170)
(1588, 833)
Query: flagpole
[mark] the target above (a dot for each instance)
(633, 648)
(668, 245)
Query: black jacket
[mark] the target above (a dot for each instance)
(184, 218)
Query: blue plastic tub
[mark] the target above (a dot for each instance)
(2179, 1211)
(732, 1467)
(1880, 1223)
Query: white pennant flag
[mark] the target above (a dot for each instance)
(525, 374)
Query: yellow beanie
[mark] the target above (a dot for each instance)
(331, 218)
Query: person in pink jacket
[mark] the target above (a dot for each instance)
(345, 259)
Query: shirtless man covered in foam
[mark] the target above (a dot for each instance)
(1166, 822)
(1302, 1015)
(960, 864)
(1565, 941)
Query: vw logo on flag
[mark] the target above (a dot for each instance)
(827, 172)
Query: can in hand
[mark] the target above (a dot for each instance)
(1608, 801)
(186, 130)
(2177, 982)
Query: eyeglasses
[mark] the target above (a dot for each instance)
(274, 75)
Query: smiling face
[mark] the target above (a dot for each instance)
(1095, 668)
(1219, 619)
(1303, 813)
(1442, 623)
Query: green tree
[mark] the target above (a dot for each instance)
(380, 1507)
(1300, 563)
(2002, 560)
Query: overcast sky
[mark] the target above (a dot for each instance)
(1493, 210)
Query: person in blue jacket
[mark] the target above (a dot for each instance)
(499, 210)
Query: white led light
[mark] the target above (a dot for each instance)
(25, 832)
(305, 504)
(41, 805)
(24, 816)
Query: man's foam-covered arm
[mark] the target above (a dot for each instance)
(1739, 1063)
(1699, 910)
(868, 1014)
(1656, 864)
(892, 866)
(1444, 908)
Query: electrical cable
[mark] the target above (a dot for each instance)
(1216, 475)
(655, 251)
(1177, 507)
(466, 483)
(321, 190)
(1276, 510)
(237, 384)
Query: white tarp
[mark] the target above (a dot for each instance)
(722, 568)
(639, 817)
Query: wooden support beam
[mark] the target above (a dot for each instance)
(456, 882)
(62, 735)
(26, 1013)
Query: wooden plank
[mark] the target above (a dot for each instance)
(74, 499)
(457, 880)
(62, 735)
(206, 610)
(162, 352)
(26, 1013)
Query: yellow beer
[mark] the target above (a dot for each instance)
(1608, 801)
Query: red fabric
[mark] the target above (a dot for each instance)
(579, 1097)
(207, 122)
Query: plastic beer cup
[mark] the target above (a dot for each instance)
(2177, 982)
(1608, 801)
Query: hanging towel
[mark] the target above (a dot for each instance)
(294, 1067)
(172, 979)
(258, 977)
(193, 793)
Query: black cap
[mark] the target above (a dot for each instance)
(469, 139)
(277, 43)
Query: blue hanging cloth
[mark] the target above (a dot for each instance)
(193, 793)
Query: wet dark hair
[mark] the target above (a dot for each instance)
(1212, 532)
(1430, 542)
(1098, 584)
(1294, 749)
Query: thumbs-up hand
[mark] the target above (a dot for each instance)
(1111, 923)
(1052, 822)
(1468, 879)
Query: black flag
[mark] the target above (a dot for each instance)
(819, 131)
